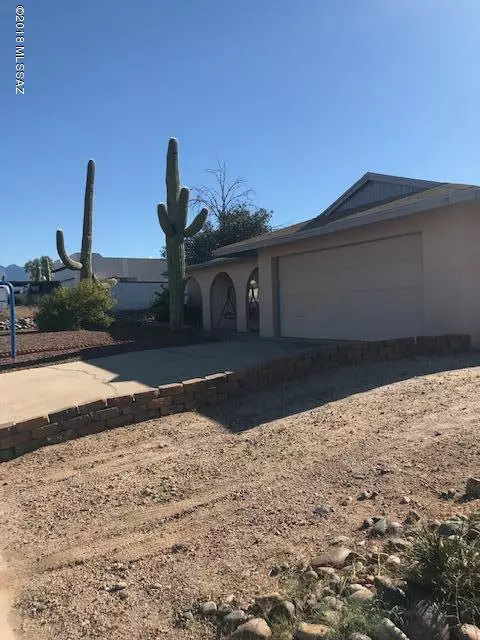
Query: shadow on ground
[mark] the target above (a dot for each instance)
(316, 390)
(174, 364)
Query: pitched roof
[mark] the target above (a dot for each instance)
(418, 195)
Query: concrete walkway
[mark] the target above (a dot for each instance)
(34, 392)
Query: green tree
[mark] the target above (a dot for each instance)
(34, 269)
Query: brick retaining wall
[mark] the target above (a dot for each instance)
(189, 395)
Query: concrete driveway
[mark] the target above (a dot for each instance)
(33, 392)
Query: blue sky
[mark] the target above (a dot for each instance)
(300, 97)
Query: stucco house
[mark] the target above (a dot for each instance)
(391, 257)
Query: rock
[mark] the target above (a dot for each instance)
(254, 629)
(366, 495)
(358, 636)
(284, 566)
(323, 511)
(268, 600)
(275, 570)
(466, 632)
(340, 540)
(284, 609)
(311, 574)
(40, 606)
(325, 571)
(394, 561)
(123, 595)
(380, 527)
(472, 488)
(336, 557)
(389, 593)
(412, 517)
(427, 622)
(118, 586)
(224, 609)
(399, 544)
(333, 603)
(362, 595)
(305, 631)
(449, 528)
(395, 528)
(355, 587)
(386, 630)
(234, 618)
(405, 500)
(367, 523)
(209, 608)
(311, 601)
(346, 501)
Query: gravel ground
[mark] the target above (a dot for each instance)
(193, 507)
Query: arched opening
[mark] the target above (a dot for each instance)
(223, 303)
(193, 304)
(253, 302)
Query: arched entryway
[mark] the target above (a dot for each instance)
(253, 302)
(223, 303)
(193, 304)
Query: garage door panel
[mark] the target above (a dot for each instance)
(369, 291)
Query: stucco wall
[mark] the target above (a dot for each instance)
(131, 296)
(239, 272)
(451, 264)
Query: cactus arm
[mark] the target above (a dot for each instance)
(182, 209)
(164, 220)
(197, 223)
(67, 261)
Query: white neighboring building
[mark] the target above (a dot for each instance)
(138, 279)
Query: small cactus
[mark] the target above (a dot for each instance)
(173, 220)
(85, 263)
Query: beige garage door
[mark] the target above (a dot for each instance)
(368, 291)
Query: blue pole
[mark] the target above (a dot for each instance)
(13, 328)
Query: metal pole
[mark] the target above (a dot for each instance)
(13, 328)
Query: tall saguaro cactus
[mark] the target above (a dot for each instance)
(85, 264)
(173, 220)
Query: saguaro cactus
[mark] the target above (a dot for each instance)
(46, 268)
(85, 264)
(173, 220)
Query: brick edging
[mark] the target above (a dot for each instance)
(189, 395)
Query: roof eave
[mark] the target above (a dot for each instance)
(352, 222)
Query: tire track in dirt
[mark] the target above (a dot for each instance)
(122, 534)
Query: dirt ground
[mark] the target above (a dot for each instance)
(192, 507)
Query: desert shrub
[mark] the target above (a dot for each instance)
(160, 306)
(356, 617)
(449, 568)
(87, 305)
(161, 312)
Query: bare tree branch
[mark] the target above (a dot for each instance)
(225, 195)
